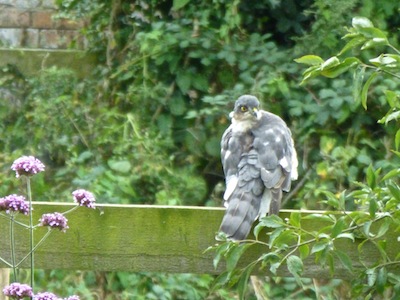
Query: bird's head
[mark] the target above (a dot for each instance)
(247, 107)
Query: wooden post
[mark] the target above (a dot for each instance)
(4, 281)
(140, 238)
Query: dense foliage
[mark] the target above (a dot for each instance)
(145, 127)
(291, 241)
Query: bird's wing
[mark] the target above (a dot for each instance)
(274, 147)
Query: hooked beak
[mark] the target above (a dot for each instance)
(255, 112)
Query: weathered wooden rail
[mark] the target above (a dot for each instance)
(31, 61)
(149, 238)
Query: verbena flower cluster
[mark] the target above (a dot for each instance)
(45, 296)
(18, 291)
(84, 198)
(54, 220)
(14, 203)
(27, 165)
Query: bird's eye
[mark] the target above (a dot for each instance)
(243, 108)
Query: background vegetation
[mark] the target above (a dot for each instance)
(145, 127)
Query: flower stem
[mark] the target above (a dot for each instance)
(70, 210)
(29, 191)
(12, 240)
(35, 247)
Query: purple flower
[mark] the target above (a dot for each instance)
(74, 297)
(14, 203)
(27, 165)
(46, 296)
(54, 220)
(18, 291)
(84, 198)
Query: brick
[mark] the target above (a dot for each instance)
(31, 38)
(68, 24)
(11, 37)
(12, 17)
(49, 4)
(59, 39)
(42, 19)
(27, 4)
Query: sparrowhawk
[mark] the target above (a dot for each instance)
(259, 162)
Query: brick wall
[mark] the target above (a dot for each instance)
(33, 24)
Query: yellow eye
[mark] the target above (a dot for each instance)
(243, 108)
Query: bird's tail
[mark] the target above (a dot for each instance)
(240, 214)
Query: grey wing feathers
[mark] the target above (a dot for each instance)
(258, 165)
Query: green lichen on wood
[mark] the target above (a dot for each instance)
(31, 61)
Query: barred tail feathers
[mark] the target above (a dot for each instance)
(242, 210)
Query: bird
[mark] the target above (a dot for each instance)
(259, 161)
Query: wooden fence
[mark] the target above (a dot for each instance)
(139, 238)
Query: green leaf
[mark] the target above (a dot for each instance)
(285, 238)
(320, 246)
(341, 68)
(364, 91)
(178, 4)
(311, 60)
(372, 33)
(394, 190)
(177, 106)
(221, 280)
(338, 227)
(371, 178)
(344, 259)
(274, 235)
(304, 251)
(123, 166)
(377, 41)
(330, 63)
(244, 280)
(385, 60)
(367, 229)
(272, 221)
(371, 276)
(390, 116)
(373, 207)
(295, 265)
(320, 217)
(353, 43)
(392, 98)
(381, 280)
(358, 79)
(271, 258)
(346, 236)
(361, 22)
(295, 218)
(397, 139)
(234, 255)
(384, 227)
(220, 252)
(183, 80)
(391, 174)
